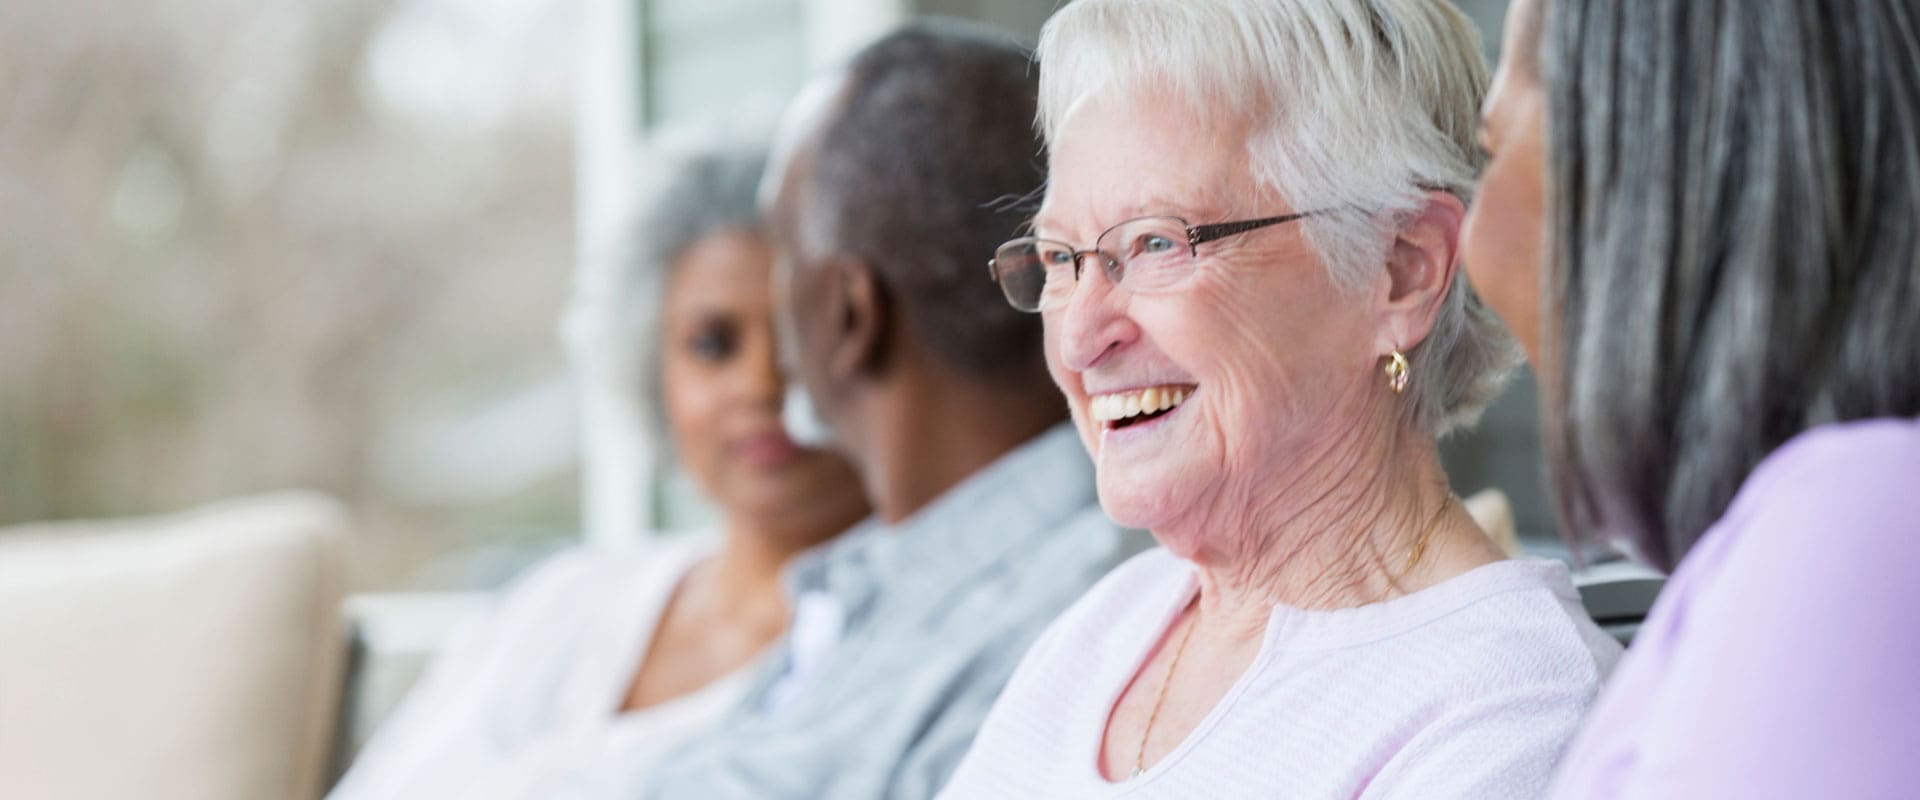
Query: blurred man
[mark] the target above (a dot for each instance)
(895, 182)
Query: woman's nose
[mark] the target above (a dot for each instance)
(761, 381)
(1094, 321)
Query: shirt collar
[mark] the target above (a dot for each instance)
(1028, 492)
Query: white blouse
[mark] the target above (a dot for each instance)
(526, 702)
(1468, 689)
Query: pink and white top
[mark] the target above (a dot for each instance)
(1468, 689)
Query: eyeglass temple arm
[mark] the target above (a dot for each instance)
(1207, 233)
(1197, 234)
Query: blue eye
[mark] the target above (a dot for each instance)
(1152, 243)
(1056, 257)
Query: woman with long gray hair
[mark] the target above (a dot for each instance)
(1704, 219)
(606, 656)
(1245, 265)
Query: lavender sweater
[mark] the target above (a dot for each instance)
(1783, 658)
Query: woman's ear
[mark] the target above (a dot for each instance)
(861, 309)
(1420, 270)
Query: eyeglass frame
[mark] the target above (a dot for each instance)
(1196, 235)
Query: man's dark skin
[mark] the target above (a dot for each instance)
(912, 425)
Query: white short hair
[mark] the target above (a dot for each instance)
(1352, 104)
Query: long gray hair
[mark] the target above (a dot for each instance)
(1735, 192)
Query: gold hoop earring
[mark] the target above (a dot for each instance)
(1399, 372)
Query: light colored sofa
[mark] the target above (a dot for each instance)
(195, 656)
(212, 654)
(394, 637)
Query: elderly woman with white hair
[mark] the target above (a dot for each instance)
(1246, 260)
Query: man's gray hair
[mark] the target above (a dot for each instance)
(917, 171)
(1355, 105)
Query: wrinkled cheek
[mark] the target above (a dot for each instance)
(1235, 416)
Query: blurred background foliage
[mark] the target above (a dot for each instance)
(261, 244)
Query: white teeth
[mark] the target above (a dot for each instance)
(1122, 405)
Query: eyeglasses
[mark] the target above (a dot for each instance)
(1145, 254)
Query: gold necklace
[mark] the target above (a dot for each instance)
(1419, 548)
(1414, 554)
(1140, 756)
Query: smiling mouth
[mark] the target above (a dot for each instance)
(1125, 409)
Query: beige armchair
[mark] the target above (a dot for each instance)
(188, 657)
